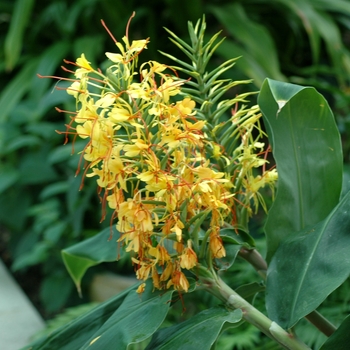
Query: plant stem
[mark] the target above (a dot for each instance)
(260, 265)
(321, 323)
(252, 315)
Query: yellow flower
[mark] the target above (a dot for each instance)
(136, 148)
(74, 89)
(188, 258)
(178, 281)
(84, 65)
(177, 229)
(216, 247)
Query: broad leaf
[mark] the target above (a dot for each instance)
(75, 333)
(199, 332)
(123, 320)
(91, 252)
(306, 269)
(307, 149)
(138, 317)
(340, 339)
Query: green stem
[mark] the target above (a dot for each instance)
(321, 323)
(252, 315)
(260, 265)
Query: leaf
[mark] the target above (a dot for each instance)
(14, 91)
(138, 317)
(74, 334)
(340, 339)
(49, 61)
(14, 38)
(91, 252)
(199, 332)
(310, 266)
(307, 149)
(248, 291)
(8, 177)
(253, 37)
(238, 235)
(227, 261)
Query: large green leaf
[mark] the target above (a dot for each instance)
(138, 317)
(310, 266)
(307, 149)
(340, 339)
(199, 332)
(74, 334)
(115, 324)
(91, 252)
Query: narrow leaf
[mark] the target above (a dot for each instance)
(310, 266)
(14, 91)
(14, 38)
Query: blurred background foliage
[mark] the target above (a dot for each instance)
(41, 208)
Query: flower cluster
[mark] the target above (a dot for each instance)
(158, 166)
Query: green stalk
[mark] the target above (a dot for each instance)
(222, 291)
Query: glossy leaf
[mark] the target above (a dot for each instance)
(340, 339)
(310, 266)
(307, 149)
(91, 252)
(199, 332)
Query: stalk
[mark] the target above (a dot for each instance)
(222, 291)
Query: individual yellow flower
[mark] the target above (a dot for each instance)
(84, 65)
(188, 258)
(216, 246)
(141, 288)
(136, 148)
(179, 281)
(177, 229)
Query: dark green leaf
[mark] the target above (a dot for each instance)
(254, 38)
(340, 339)
(308, 267)
(14, 38)
(307, 149)
(135, 320)
(15, 90)
(199, 332)
(74, 334)
(248, 291)
(238, 235)
(8, 176)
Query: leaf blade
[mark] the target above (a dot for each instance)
(307, 149)
(306, 269)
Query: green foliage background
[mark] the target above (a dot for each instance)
(301, 41)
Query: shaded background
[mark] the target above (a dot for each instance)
(41, 208)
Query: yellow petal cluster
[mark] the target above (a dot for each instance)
(156, 164)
